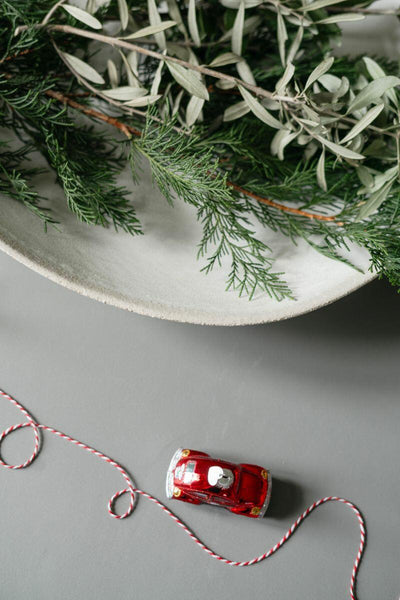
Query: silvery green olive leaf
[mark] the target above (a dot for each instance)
(91, 6)
(329, 120)
(361, 82)
(321, 171)
(157, 79)
(82, 16)
(343, 88)
(373, 68)
(276, 140)
(192, 22)
(358, 114)
(236, 111)
(341, 18)
(282, 36)
(155, 19)
(123, 13)
(236, 3)
(373, 92)
(310, 123)
(375, 201)
(224, 84)
(237, 30)
(245, 73)
(125, 93)
(295, 45)
(175, 14)
(376, 72)
(188, 80)
(319, 130)
(177, 103)
(133, 60)
(193, 110)
(130, 64)
(330, 82)
(319, 4)
(280, 140)
(181, 52)
(284, 10)
(286, 77)
(316, 88)
(357, 143)
(336, 106)
(227, 58)
(82, 68)
(365, 176)
(319, 70)
(112, 73)
(303, 139)
(150, 30)
(143, 101)
(310, 150)
(250, 25)
(270, 104)
(366, 120)
(382, 178)
(339, 150)
(310, 113)
(301, 21)
(258, 110)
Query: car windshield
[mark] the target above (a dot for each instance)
(189, 474)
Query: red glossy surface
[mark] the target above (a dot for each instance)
(241, 488)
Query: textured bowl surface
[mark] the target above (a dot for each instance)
(157, 274)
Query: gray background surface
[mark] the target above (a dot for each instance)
(316, 399)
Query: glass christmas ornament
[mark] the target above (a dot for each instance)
(198, 478)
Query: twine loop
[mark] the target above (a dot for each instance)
(29, 423)
(117, 495)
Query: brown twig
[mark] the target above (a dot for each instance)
(78, 95)
(16, 55)
(129, 131)
(258, 91)
(91, 112)
(283, 207)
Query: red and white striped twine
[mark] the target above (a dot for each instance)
(134, 492)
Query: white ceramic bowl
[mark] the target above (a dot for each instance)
(157, 274)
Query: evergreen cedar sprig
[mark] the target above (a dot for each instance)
(213, 96)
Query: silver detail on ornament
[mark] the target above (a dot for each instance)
(267, 497)
(169, 483)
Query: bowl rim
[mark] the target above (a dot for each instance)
(157, 309)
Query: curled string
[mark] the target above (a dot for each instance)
(134, 492)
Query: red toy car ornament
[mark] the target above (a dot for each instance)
(198, 478)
